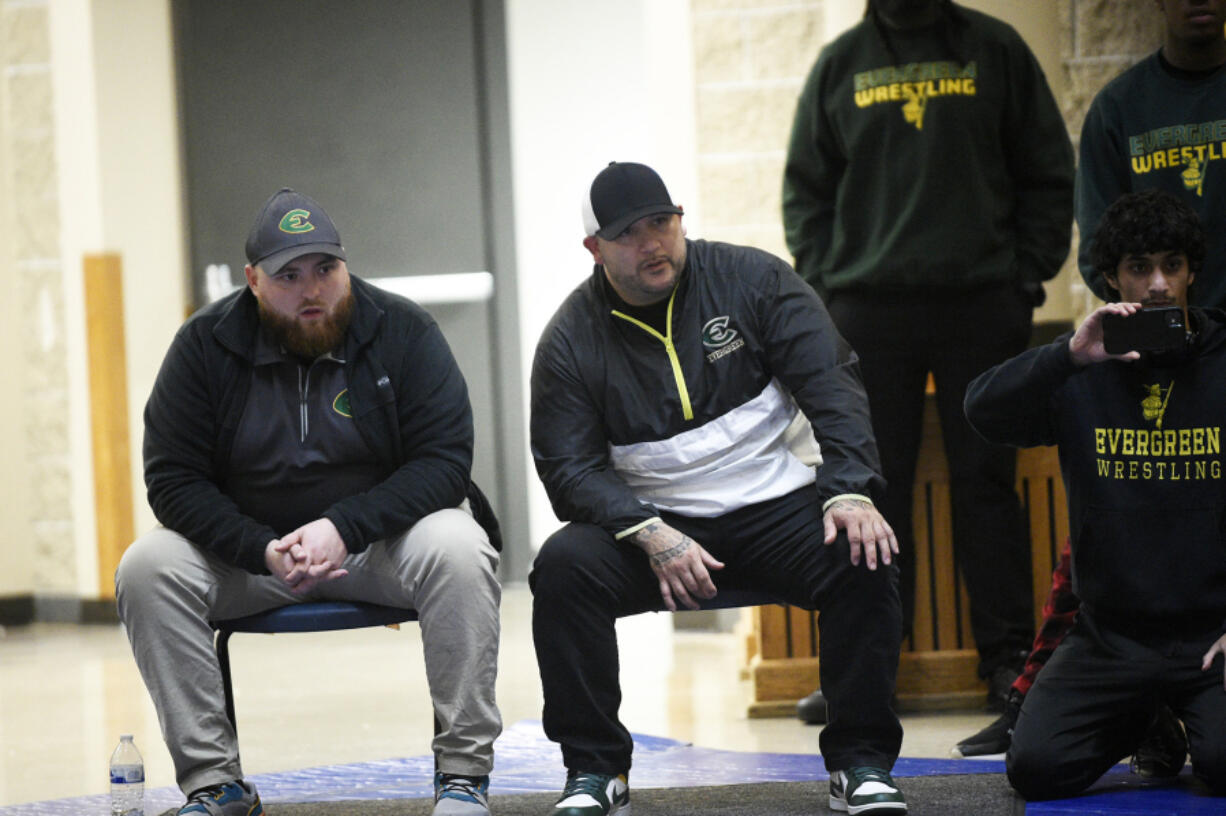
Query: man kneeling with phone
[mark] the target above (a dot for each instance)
(1136, 408)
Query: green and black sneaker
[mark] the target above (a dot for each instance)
(592, 794)
(865, 790)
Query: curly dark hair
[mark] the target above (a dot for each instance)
(1145, 222)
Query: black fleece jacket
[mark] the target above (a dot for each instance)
(598, 380)
(409, 402)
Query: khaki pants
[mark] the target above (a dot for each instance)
(444, 567)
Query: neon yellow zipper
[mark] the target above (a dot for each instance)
(667, 340)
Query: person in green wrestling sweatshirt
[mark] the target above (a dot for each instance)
(927, 194)
(1162, 125)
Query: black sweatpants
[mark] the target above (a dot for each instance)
(956, 336)
(1091, 704)
(583, 580)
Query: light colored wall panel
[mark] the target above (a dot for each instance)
(589, 82)
(141, 195)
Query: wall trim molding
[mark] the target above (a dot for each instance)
(21, 610)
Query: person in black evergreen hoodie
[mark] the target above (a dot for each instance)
(1139, 438)
(1161, 124)
(927, 194)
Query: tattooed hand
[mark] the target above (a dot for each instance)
(680, 564)
(867, 531)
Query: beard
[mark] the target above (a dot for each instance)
(309, 340)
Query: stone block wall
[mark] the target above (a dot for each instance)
(751, 58)
(1100, 39)
(36, 446)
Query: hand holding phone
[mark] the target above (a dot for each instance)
(1157, 329)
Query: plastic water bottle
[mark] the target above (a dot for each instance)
(127, 779)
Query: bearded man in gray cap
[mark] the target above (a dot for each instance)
(677, 398)
(309, 437)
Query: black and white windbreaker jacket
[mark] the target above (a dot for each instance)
(708, 417)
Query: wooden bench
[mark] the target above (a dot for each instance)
(937, 667)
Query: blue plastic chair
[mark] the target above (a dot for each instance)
(312, 616)
(326, 616)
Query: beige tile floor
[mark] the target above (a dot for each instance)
(68, 692)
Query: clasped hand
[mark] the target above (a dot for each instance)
(308, 556)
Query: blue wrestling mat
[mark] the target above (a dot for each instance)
(1120, 793)
(529, 763)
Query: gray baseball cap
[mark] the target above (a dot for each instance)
(289, 226)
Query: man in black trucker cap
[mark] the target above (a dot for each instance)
(678, 396)
(309, 437)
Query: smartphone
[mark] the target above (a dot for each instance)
(1159, 329)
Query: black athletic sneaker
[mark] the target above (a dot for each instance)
(1000, 680)
(995, 737)
(812, 709)
(865, 790)
(1162, 752)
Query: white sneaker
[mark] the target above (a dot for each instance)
(590, 794)
(865, 790)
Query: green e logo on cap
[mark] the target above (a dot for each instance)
(295, 221)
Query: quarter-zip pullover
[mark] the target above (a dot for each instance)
(702, 418)
(405, 391)
(296, 449)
